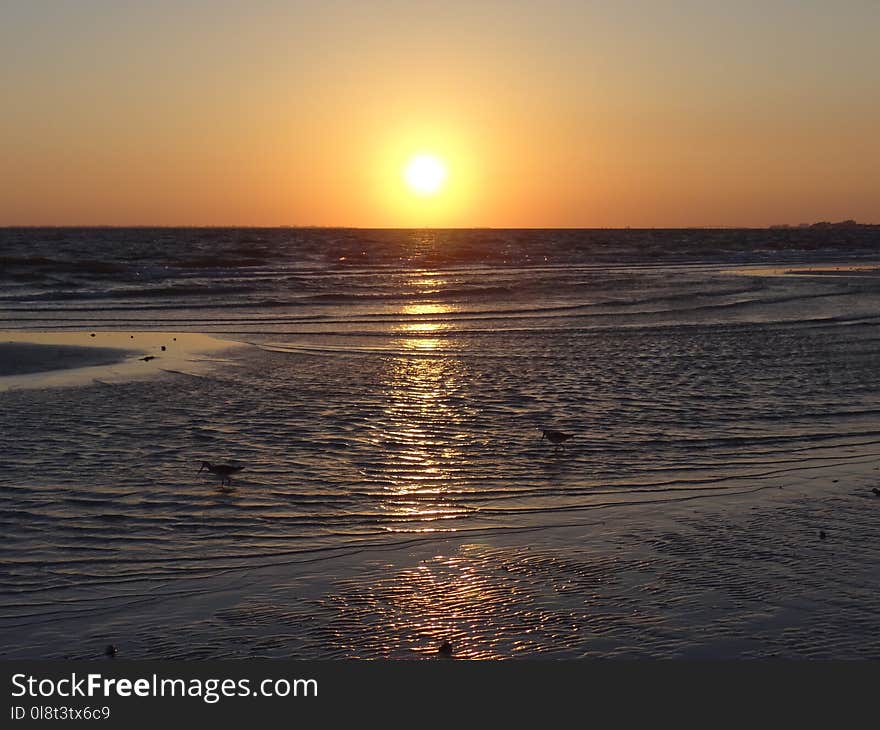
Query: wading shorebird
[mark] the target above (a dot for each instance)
(557, 438)
(223, 471)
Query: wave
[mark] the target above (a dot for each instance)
(173, 291)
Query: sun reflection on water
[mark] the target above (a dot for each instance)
(418, 330)
(423, 310)
(485, 600)
(421, 426)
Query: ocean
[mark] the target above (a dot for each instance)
(391, 393)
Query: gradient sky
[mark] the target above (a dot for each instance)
(548, 113)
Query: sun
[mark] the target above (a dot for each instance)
(425, 174)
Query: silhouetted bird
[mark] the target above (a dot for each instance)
(445, 649)
(876, 492)
(822, 534)
(223, 471)
(111, 650)
(557, 438)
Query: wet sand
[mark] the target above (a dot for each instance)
(24, 358)
(52, 359)
(397, 496)
(741, 576)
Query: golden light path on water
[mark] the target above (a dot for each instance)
(426, 463)
(468, 593)
(420, 423)
(425, 433)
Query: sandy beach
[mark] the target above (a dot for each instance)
(743, 576)
(395, 492)
(779, 565)
(24, 358)
(53, 359)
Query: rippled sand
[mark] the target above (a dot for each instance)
(740, 577)
(396, 492)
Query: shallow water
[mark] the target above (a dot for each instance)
(395, 388)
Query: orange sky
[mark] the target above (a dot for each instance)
(547, 114)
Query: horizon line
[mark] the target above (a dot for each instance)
(773, 226)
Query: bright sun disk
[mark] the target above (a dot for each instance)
(425, 174)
